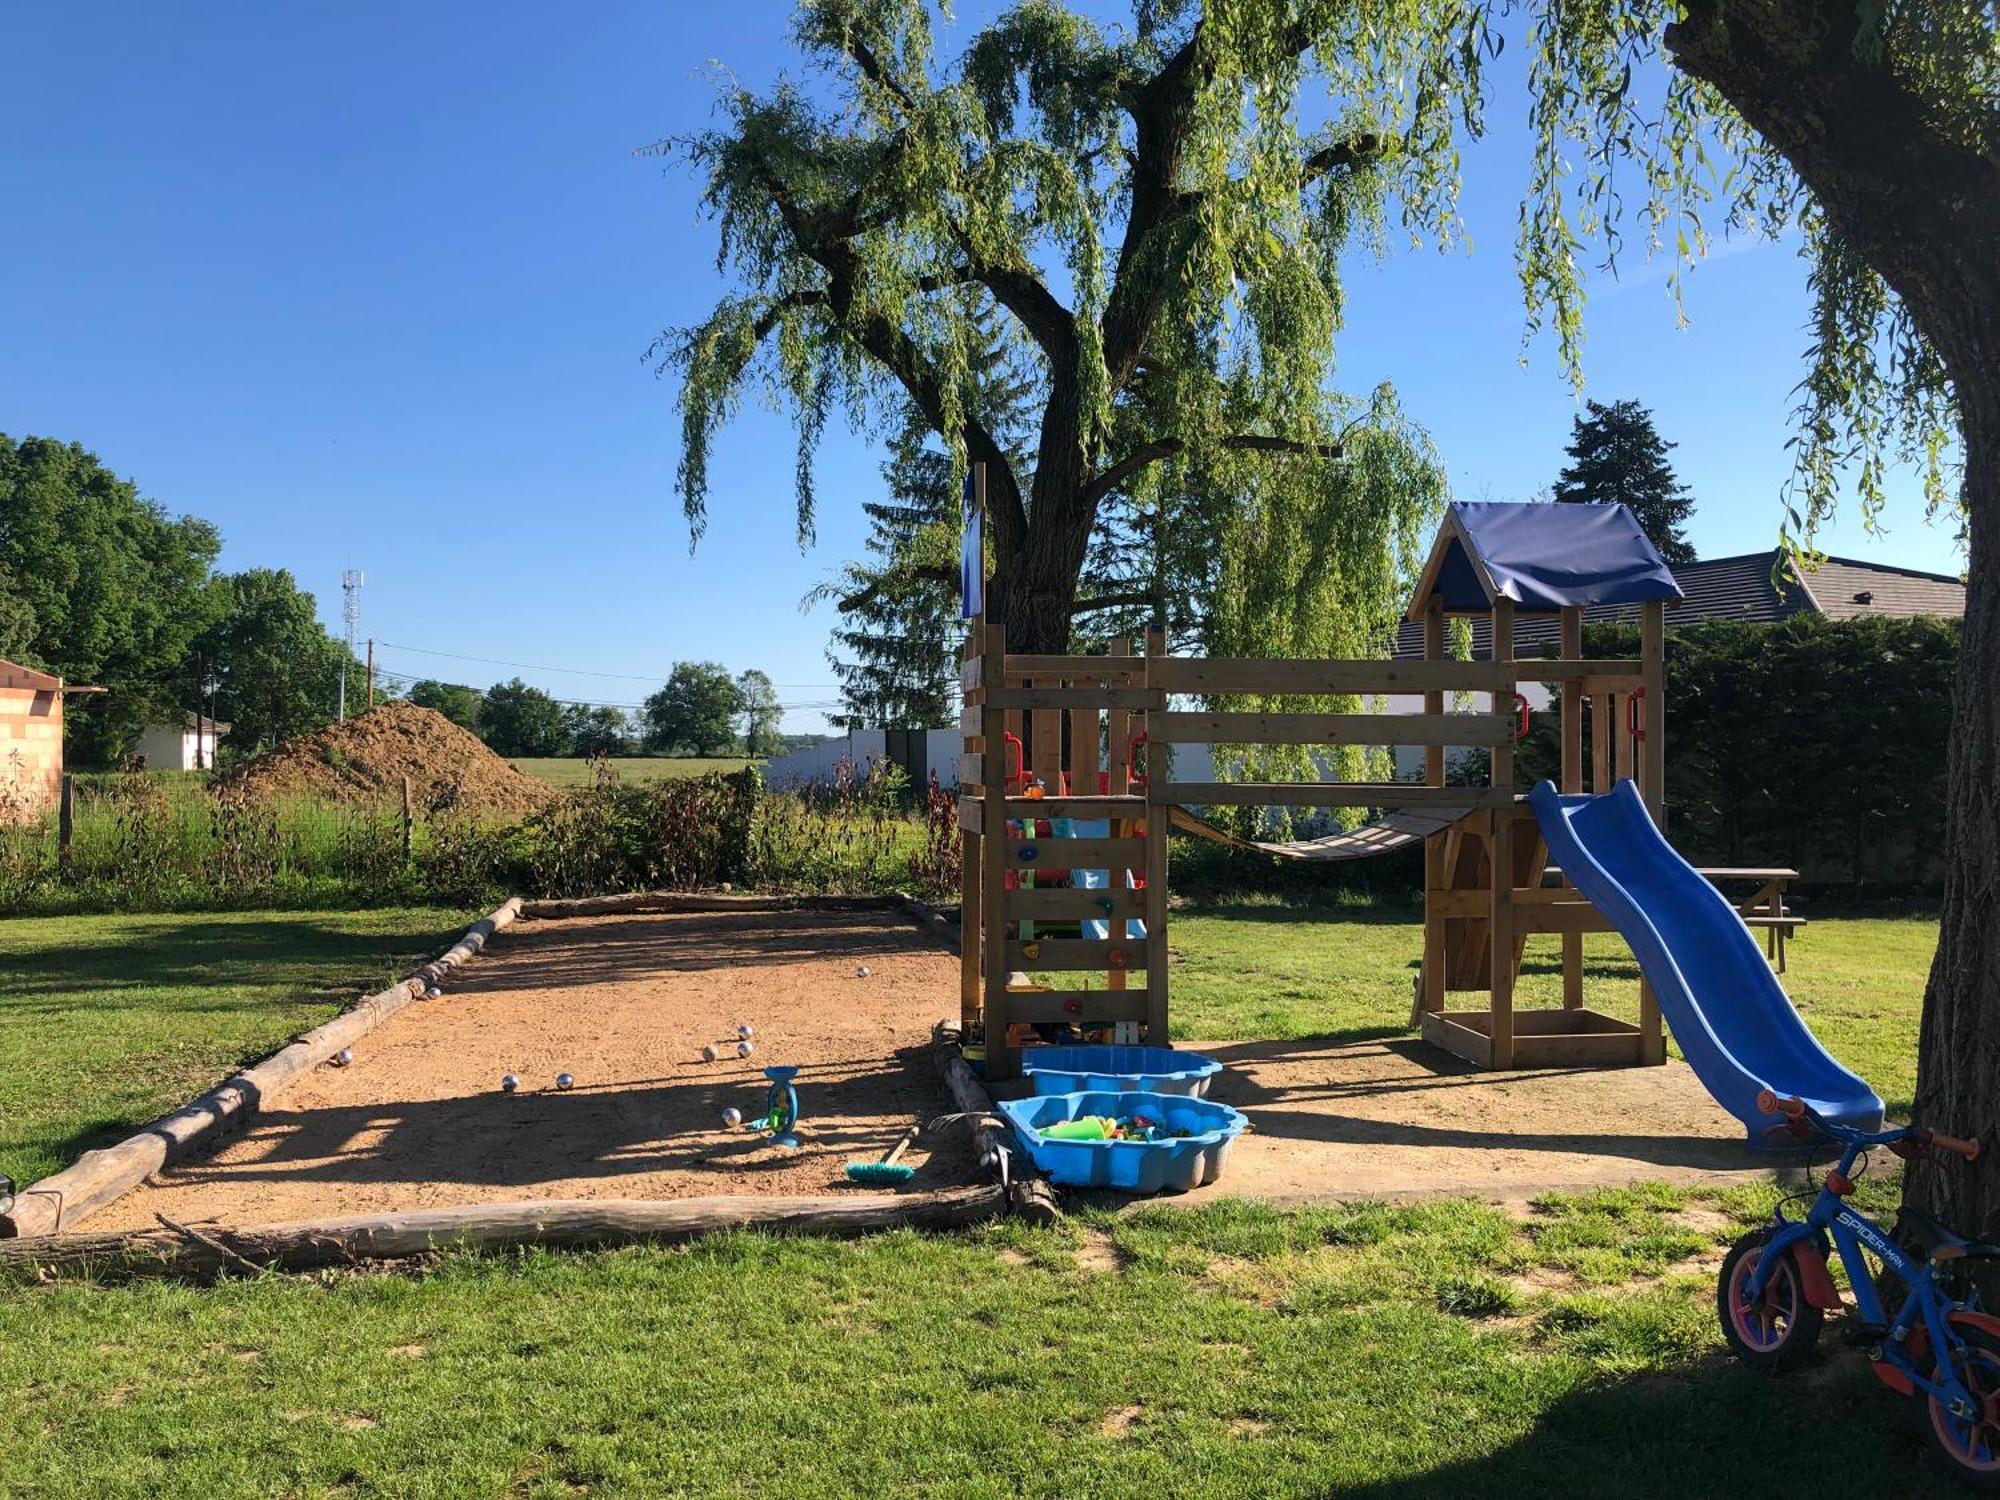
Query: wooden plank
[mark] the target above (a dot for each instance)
(971, 814)
(1102, 955)
(1468, 1042)
(1118, 737)
(1577, 1049)
(1500, 924)
(1076, 854)
(1437, 729)
(1043, 668)
(1206, 675)
(972, 769)
(1653, 711)
(1746, 872)
(1571, 668)
(1624, 683)
(972, 868)
(1080, 1007)
(1157, 822)
(1332, 793)
(1430, 976)
(1560, 916)
(1572, 782)
(1064, 905)
(969, 670)
(1045, 742)
(1070, 697)
(1076, 807)
(1001, 1059)
(1601, 731)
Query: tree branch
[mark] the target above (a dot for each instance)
(1151, 453)
(1348, 153)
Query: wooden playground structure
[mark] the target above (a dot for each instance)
(1068, 794)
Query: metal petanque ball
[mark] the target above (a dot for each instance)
(745, 1032)
(732, 1117)
(709, 1054)
(509, 1084)
(433, 993)
(342, 1058)
(564, 1081)
(861, 971)
(744, 1049)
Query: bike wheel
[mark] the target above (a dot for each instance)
(1777, 1331)
(1970, 1448)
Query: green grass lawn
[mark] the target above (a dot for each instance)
(635, 770)
(108, 1021)
(1262, 970)
(1444, 1348)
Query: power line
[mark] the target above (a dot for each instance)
(523, 666)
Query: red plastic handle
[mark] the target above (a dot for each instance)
(1020, 766)
(1632, 725)
(1133, 774)
(1520, 716)
(1771, 1104)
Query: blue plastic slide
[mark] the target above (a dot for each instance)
(1730, 1015)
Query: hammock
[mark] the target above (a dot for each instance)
(1395, 829)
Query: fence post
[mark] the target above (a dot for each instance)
(408, 831)
(65, 817)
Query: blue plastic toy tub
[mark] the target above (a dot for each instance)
(1146, 1070)
(1128, 1166)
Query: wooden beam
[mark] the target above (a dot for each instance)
(1572, 782)
(1568, 668)
(1077, 955)
(562, 1223)
(1114, 668)
(1206, 675)
(1500, 924)
(1653, 784)
(1001, 1059)
(1334, 794)
(1080, 1007)
(1076, 906)
(63, 1200)
(1158, 820)
(1075, 854)
(1431, 975)
(1034, 698)
(1331, 729)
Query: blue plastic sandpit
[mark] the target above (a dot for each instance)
(1146, 1070)
(1128, 1166)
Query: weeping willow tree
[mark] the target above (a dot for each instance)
(1167, 260)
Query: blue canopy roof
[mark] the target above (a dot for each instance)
(1543, 557)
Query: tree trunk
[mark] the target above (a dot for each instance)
(1924, 208)
(1958, 1057)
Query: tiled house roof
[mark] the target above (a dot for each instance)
(1741, 588)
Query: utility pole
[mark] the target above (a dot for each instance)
(371, 671)
(350, 612)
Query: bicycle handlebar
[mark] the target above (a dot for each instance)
(1798, 1111)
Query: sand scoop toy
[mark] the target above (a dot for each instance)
(781, 1108)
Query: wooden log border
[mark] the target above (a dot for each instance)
(100, 1177)
(40, 1233)
(204, 1252)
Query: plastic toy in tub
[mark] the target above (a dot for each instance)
(1131, 1142)
(1145, 1070)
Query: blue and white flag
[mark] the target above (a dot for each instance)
(971, 560)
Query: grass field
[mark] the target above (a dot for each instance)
(636, 770)
(1437, 1349)
(108, 1021)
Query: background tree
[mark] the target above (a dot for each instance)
(695, 712)
(1167, 262)
(1617, 457)
(761, 713)
(17, 623)
(116, 589)
(277, 668)
(456, 701)
(516, 719)
(597, 729)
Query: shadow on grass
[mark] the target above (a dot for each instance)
(1707, 1428)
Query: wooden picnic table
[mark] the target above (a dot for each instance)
(1765, 906)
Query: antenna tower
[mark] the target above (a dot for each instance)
(350, 613)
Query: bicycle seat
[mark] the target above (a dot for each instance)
(1938, 1242)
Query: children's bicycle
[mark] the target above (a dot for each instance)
(1774, 1291)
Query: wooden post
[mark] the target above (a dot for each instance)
(1430, 978)
(1002, 1060)
(1117, 783)
(409, 823)
(371, 671)
(65, 817)
(1603, 730)
(1159, 816)
(1651, 754)
(1572, 782)
(1500, 846)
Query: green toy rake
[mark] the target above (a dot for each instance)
(888, 1169)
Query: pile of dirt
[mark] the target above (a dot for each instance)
(366, 758)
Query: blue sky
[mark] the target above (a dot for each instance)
(370, 286)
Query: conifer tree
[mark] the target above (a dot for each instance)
(1617, 457)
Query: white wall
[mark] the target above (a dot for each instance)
(169, 749)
